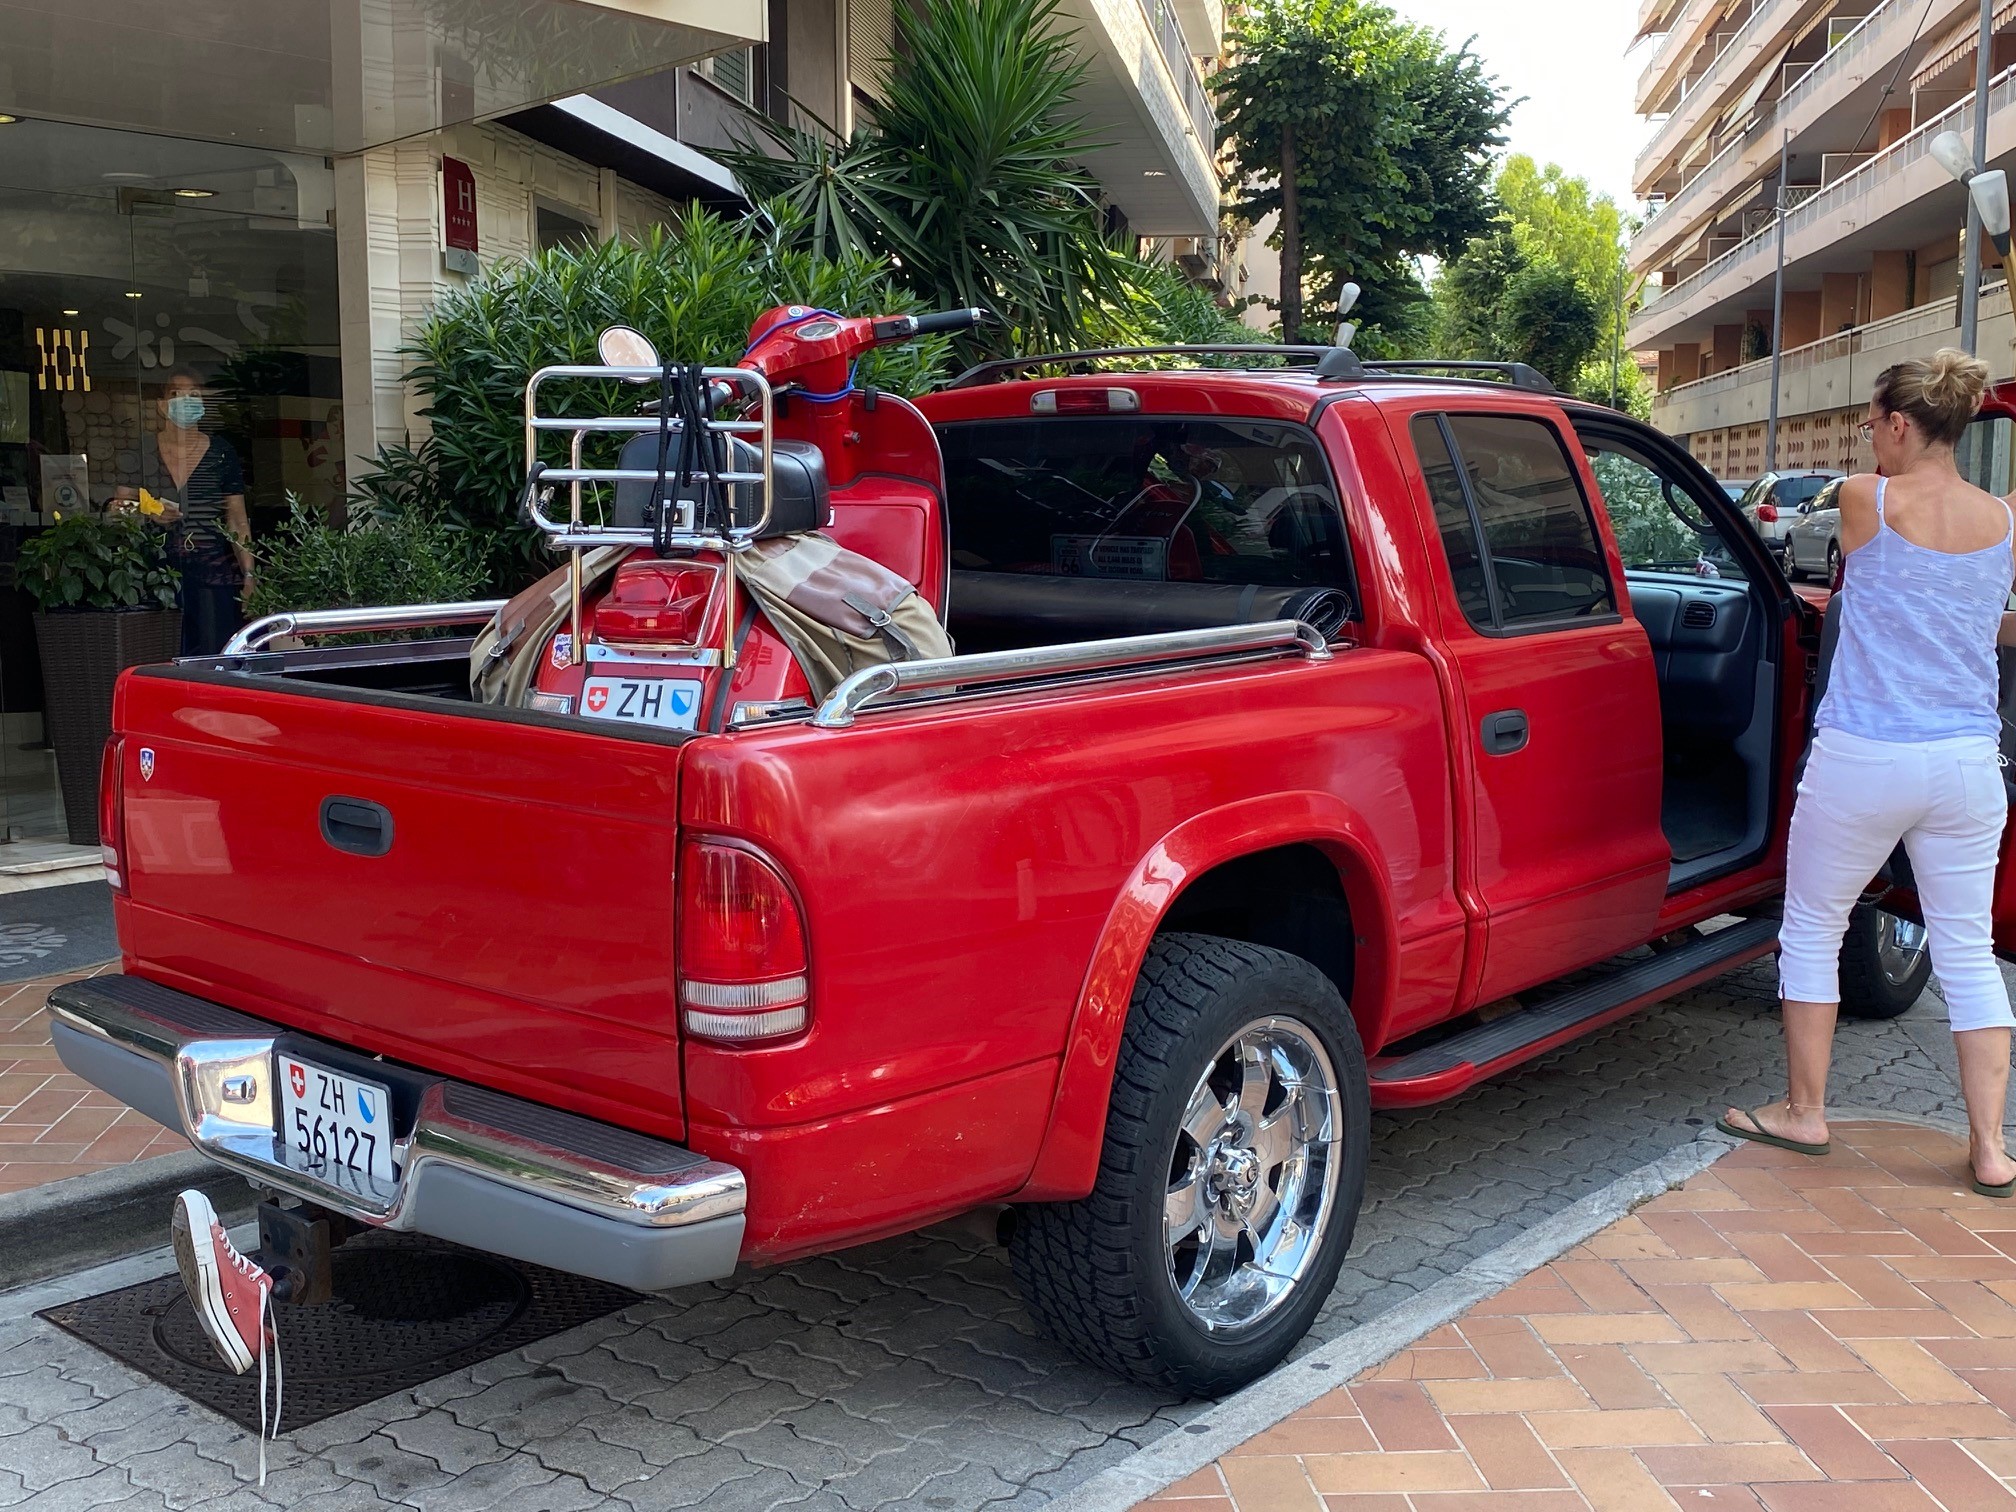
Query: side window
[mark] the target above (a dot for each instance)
(1453, 519)
(1546, 560)
(1984, 454)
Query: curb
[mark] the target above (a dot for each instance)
(1230, 1422)
(102, 1215)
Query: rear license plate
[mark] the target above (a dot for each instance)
(672, 703)
(334, 1125)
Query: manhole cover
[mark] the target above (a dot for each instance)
(405, 1311)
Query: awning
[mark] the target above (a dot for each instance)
(587, 128)
(1956, 48)
(338, 76)
(1766, 77)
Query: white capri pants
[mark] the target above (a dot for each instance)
(1945, 800)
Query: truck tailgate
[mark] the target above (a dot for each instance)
(516, 930)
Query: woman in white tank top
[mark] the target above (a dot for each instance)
(1906, 747)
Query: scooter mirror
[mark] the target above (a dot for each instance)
(620, 346)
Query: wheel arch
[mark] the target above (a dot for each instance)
(1312, 847)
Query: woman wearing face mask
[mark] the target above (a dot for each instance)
(198, 475)
(1906, 747)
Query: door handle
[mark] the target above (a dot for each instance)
(357, 825)
(1505, 732)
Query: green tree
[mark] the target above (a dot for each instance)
(967, 176)
(1497, 298)
(1550, 322)
(1369, 138)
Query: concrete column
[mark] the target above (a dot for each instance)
(1802, 317)
(1889, 284)
(1837, 302)
(1728, 347)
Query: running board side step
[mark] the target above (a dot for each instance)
(1455, 1064)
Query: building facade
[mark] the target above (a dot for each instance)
(1849, 94)
(273, 193)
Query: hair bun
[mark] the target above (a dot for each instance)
(1955, 381)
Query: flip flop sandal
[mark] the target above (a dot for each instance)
(1758, 1133)
(2005, 1189)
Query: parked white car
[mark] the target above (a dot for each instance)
(1776, 499)
(1813, 540)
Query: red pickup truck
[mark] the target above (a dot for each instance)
(1312, 748)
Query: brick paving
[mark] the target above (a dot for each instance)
(1780, 1333)
(53, 1124)
(904, 1376)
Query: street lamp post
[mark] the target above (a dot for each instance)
(1970, 288)
(1778, 308)
(1988, 210)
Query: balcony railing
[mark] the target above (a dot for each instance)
(1927, 320)
(1879, 169)
(1872, 30)
(1176, 53)
(1751, 22)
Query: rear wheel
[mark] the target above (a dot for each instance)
(1230, 1178)
(1884, 964)
(1833, 563)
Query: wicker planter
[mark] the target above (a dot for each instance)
(82, 655)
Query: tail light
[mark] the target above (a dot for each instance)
(658, 603)
(742, 966)
(1085, 401)
(112, 815)
(1768, 513)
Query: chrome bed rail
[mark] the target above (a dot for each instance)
(262, 632)
(1125, 653)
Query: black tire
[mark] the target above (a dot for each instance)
(1792, 572)
(1096, 1273)
(1872, 986)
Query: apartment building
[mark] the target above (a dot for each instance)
(275, 192)
(1851, 92)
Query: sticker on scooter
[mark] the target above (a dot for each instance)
(563, 652)
(146, 763)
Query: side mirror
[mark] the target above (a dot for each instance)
(619, 346)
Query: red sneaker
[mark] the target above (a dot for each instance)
(229, 1292)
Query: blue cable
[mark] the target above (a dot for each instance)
(786, 323)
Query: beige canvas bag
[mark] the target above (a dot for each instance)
(505, 657)
(837, 610)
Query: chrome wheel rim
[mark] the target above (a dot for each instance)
(1253, 1175)
(1900, 946)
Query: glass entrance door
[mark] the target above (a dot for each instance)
(127, 264)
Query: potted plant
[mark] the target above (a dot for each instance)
(105, 601)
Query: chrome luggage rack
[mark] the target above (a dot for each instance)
(576, 535)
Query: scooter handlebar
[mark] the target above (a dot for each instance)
(949, 320)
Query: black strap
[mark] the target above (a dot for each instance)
(718, 714)
(655, 511)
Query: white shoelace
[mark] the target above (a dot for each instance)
(268, 1330)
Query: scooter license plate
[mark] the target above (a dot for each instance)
(671, 703)
(334, 1125)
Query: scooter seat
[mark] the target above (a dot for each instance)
(802, 502)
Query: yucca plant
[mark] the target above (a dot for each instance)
(967, 176)
(693, 288)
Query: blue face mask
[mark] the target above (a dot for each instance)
(185, 410)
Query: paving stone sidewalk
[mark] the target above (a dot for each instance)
(905, 1374)
(53, 1124)
(1799, 1335)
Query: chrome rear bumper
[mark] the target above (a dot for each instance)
(475, 1166)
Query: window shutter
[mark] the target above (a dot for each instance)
(871, 43)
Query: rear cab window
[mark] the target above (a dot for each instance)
(1145, 498)
(1518, 534)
